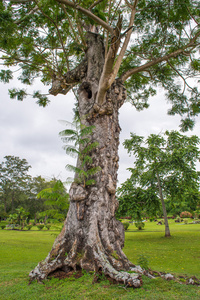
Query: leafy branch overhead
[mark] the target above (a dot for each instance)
(148, 44)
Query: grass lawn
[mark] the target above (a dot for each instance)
(20, 251)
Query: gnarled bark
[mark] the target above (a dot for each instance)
(92, 239)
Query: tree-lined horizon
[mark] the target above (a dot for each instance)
(106, 52)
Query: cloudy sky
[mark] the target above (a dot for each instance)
(32, 132)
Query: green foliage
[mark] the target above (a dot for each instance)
(56, 199)
(48, 226)
(29, 226)
(17, 94)
(46, 39)
(81, 137)
(40, 226)
(19, 218)
(42, 99)
(14, 182)
(139, 224)
(3, 226)
(5, 75)
(126, 225)
(137, 202)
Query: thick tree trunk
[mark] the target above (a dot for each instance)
(92, 239)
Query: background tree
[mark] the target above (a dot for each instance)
(136, 201)
(104, 51)
(165, 166)
(14, 182)
(35, 204)
(57, 201)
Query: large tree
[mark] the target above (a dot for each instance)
(14, 182)
(103, 51)
(164, 167)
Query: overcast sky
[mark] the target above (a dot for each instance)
(32, 132)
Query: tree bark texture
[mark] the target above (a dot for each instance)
(92, 239)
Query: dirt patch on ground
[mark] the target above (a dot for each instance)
(62, 275)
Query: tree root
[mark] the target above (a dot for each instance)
(193, 280)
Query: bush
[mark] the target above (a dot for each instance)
(197, 214)
(48, 226)
(40, 226)
(140, 225)
(186, 214)
(126, 226)
(3, 226)
(178, 220)
(29, 227)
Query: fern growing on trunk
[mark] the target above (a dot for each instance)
(81, 146)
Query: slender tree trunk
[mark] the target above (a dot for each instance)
(167, 231)
(92, 239)
(12, 202)
(5, 205)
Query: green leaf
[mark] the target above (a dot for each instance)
(6, 75)
(17, 93)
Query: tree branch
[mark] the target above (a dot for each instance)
(109, 73)
(136, 70)
(87, 13)
(95, 4)
(51, 20)
(62, 85)
(184, 80)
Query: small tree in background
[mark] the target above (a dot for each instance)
(164, 167)
(14, 182)
(57, 199)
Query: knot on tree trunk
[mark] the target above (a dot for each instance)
(110, 186)
(77, 193)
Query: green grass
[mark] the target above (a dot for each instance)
(20, 251)
(178, 254)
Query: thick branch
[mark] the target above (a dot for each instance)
(125, 44)
(62, 85)
(109, 73)
(152, 63)
(87, 13)
(95, 4)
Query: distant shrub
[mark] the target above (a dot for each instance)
(197, 214)
(48, 226)
(126, 226)
(3, 226)
(186, 214)
(40, 226)
(139, 225)
(178, 220)
(29, 227)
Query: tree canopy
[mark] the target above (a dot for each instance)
(148, 44)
